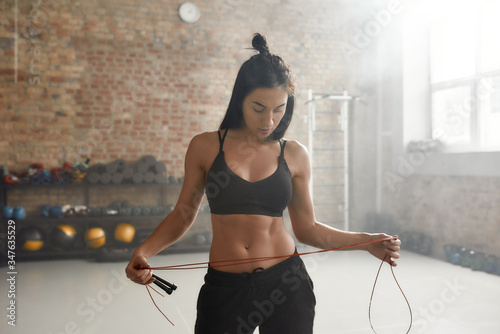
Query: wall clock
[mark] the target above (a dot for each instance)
(189, 12)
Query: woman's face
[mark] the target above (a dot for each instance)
(263, 110)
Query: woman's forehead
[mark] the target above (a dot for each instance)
(272, 96)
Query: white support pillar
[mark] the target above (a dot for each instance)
(344, 124)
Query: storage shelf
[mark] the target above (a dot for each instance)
(80, 185)
(143, 223)
(71, 220)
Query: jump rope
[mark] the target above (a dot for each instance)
(170, 287)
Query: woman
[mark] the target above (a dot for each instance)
(250, 174)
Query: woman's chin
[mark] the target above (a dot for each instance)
(264, 134)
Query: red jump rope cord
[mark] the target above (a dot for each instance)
(151, 296)
(226, 263)
(400, 289)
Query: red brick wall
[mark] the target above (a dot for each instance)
(128, 78)
(122, 79)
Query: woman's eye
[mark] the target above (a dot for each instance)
(259, 110)
(278, 110)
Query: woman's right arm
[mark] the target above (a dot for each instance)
(178, 222)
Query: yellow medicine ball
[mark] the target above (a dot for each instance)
(67, 229)
(31, 238)
(32, 245)
(63, 237)
(95, 237)
(125, 233)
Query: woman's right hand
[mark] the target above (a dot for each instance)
(138, 270)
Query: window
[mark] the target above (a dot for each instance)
(465, 77)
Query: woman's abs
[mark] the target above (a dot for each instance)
(249, 236)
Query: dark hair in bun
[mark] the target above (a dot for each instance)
(263, 70)
(259, 43)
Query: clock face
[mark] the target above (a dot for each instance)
(189, 12)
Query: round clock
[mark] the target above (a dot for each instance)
(189, 12)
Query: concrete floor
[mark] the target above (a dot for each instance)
(75, 296)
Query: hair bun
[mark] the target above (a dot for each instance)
(259, 43)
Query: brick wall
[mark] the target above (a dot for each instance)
(461, 210)
(125, 78)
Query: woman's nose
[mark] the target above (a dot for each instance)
(267, 118)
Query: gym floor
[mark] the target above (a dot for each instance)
(76, 296)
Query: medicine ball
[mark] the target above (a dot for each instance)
(465, 257)
(19, 213)
(56, 211)
(489, 264)
(124, 233)
(31, 238)
(45, 211)
(7, 212)
(95, 237)
(63, 237)
(478, 261)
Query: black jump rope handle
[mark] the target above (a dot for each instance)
(164, 285)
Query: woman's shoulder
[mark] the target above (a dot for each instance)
(204, 139)
(296, 149)
(297, 157)
(204, 145)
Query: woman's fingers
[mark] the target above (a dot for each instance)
(138, 271)
(392, 247)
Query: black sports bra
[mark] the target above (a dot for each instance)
(228, 193)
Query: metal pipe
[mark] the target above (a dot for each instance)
(345, 128)
(310, 131)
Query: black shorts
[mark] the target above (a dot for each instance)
(278, 300)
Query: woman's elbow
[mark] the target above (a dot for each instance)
(303, 235)
(301, 238)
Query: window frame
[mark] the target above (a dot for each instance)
(475, 82)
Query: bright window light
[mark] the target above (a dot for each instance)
(465, 75)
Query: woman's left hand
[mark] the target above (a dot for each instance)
(385, 250)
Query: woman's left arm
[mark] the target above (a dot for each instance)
(311, 232)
